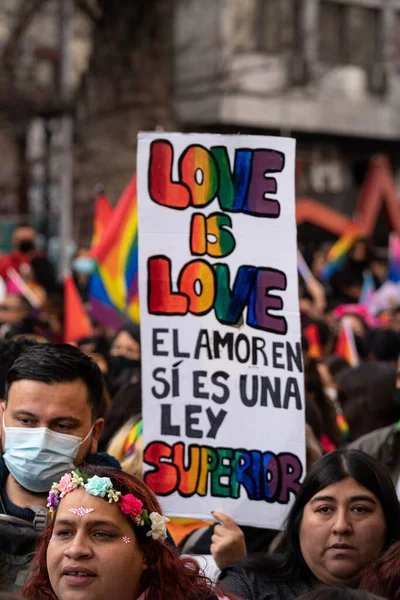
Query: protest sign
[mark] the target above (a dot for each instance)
(222, 374)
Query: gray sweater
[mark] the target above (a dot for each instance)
(255, 585)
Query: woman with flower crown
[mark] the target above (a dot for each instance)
(106, 540)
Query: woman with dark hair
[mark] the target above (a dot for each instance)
(125, 358)
(107, 540)
(345, 514)
(366, 394)
(127, 403)
(382, 576)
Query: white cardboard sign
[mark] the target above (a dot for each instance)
(222, 380)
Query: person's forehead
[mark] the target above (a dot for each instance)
(102, 509)
(124, 338)
(24, 232)
(53, 400)
(343, 489)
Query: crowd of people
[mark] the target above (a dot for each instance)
(77, 520)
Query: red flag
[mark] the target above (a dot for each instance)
(102, 215)
(314, 344)
(76, 321)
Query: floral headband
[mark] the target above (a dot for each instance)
(103, 487)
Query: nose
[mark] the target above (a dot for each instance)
(79, 547)
(342, 522)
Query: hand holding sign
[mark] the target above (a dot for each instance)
(227, 544)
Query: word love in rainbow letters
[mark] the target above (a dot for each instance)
(206, 175)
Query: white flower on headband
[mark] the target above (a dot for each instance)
(158, 526)
(113, 496)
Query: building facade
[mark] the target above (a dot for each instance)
(325, 71)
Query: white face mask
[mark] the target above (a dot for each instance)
(36, 457)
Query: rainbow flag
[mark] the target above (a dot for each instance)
(339, 251)
(102, 217)
(367, 290)
(343, 426)
(394, 258)
(113, 287)
(134, 435)
(346, 345)
(314, 344)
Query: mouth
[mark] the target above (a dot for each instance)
(78, 577)
(341, 547)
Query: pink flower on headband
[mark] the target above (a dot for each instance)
(130, 505)
(65, 485)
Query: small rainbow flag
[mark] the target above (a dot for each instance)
(346, 345)
(367, 290)
(131, 440)
(113, 287)
(343, 426)
(314, 343)
(394, 258)
(339, 251)
(340, 418)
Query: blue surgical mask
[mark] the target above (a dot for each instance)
(37, 457)
(84, 265)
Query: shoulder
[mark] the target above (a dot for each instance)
(372, 442)
(258, 585)
(102, 459)
(247, 583)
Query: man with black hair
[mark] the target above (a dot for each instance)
(49, 425)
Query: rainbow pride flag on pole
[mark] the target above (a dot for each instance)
(314, 345)
(339, 251)
(346, 345)
(113, 287)
(367, 290)
(394, 258)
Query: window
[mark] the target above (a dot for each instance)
(270, 25)
(395, 41)
(349, 34)
(279, 25)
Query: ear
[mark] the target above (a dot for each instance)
(2, 410)
(97, 429)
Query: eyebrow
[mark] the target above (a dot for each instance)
(90, 523)
(72, 420)
(26, 413)
(359, 498)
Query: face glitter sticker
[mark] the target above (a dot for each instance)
(53, 537)
(81, 512)
(126, 539)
